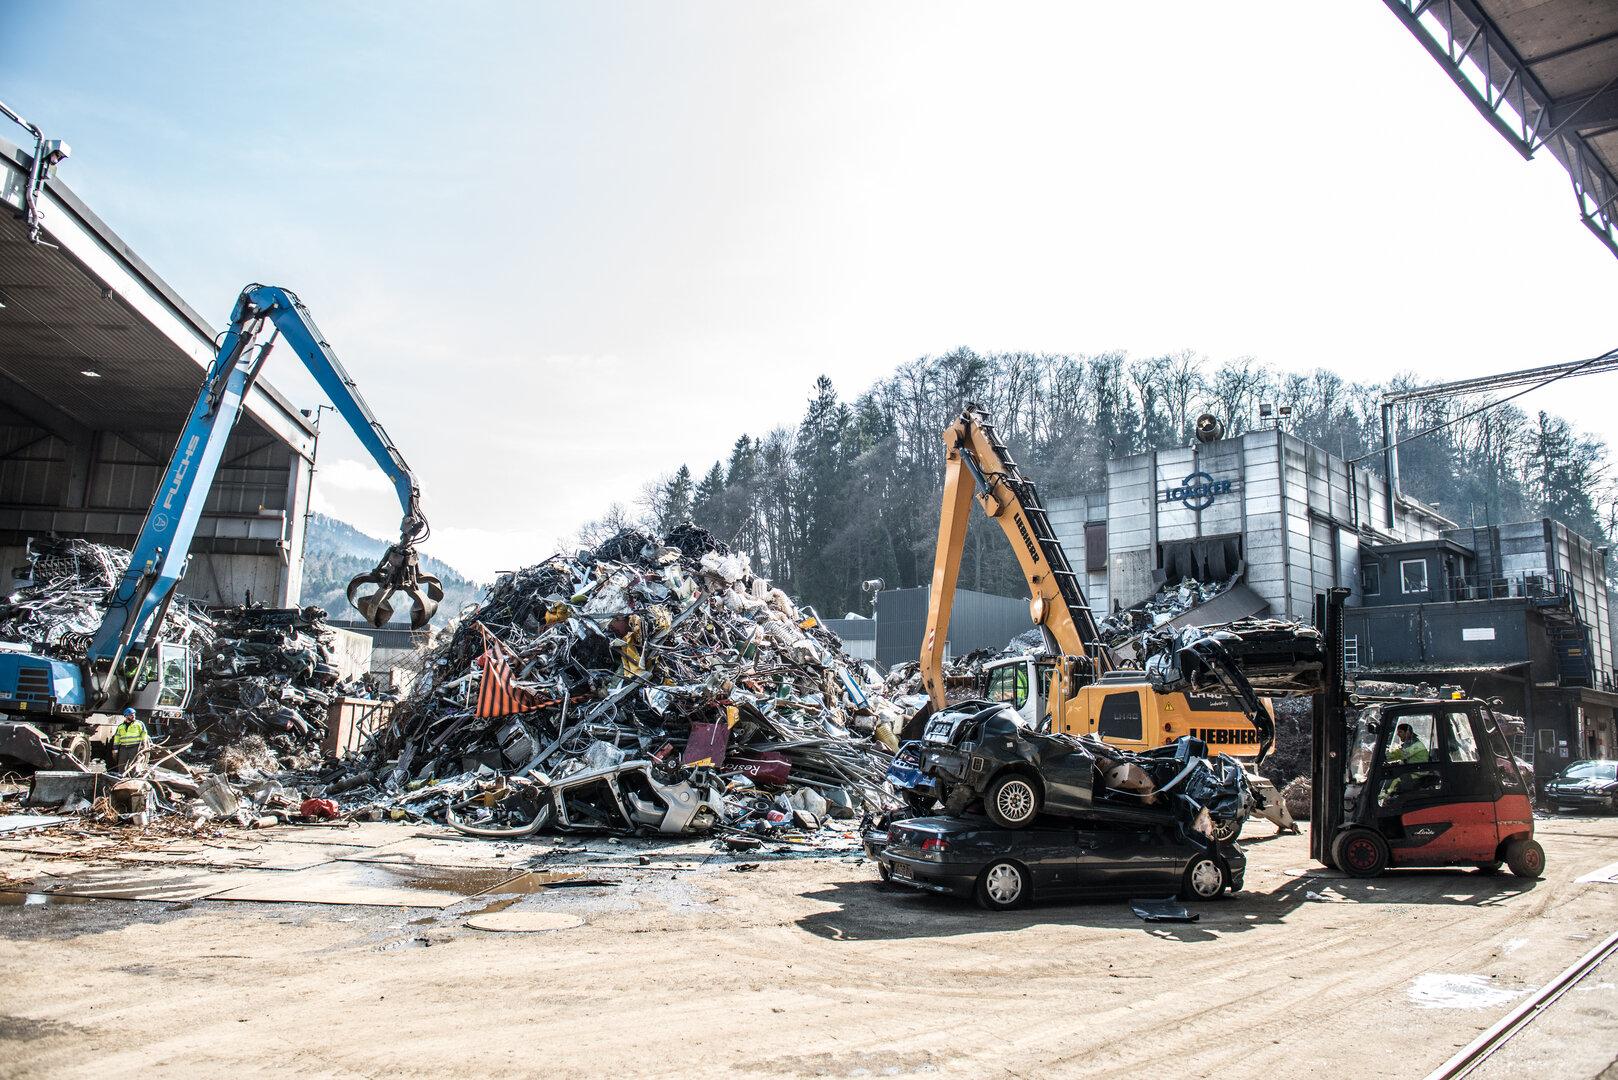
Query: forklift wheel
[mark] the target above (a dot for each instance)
(1360, 853)
(1490, 867)
(1526, 858)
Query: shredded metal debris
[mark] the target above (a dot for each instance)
(647, 686)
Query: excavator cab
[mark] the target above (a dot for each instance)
(1433, 783)
(1024, 683)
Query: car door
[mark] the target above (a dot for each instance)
(1410, 789)
(1071, 870)
(1130, 859)
(1460, 826)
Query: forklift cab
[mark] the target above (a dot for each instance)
(1433, 783)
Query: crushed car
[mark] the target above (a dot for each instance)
(986, 754)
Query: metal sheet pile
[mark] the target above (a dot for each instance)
(1163, 606)
(59, 597)
(269, 672)
(647, 686)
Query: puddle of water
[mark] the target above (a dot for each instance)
(508, 893)
(39, 899)
(1432, 991)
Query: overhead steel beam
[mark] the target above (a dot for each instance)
(1482, 63)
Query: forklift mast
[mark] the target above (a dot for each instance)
(1330, 730)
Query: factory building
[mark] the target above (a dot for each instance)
(100, 361)
(1286, 518)
(1517, 611)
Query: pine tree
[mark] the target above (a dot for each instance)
(674, 503)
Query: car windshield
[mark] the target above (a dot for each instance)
(1591, 770)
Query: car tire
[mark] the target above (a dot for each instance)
(1490, 868)
(1003, 885)
(1228, 832)
(1012, 801)
(1526, 858)
(885, 872)
(1360, 853)
(1205, 878)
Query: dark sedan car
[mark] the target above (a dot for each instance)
(1585, 785)
(1005, 868)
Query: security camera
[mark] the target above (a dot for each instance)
(875, 584)
(55, 151)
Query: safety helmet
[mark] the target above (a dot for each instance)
(130, 713)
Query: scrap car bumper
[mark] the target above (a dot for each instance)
(929, 876)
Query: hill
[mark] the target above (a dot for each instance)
(335, 552)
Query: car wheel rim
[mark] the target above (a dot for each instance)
(1015, 801)
(1206, 880)
(1004, 884)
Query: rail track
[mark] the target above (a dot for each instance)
(1477, 1051)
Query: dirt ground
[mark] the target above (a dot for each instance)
(681, 963)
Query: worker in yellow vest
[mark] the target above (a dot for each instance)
(129, 739)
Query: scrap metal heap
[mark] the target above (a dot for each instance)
(646, 686)
(269, 673)
(1162, 607)
(60, 596)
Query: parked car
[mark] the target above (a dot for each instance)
(1590, 784)
(1139, 853)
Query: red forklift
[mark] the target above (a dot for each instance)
(1412, 782)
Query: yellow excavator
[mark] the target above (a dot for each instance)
(1078, 686)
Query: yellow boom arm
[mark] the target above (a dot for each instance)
(977, 463)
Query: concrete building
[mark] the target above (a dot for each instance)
(1516, 611)
(100, 361)
(857, 633)
(1289, 519)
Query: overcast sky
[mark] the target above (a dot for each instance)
(566, 247)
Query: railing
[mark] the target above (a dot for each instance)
(1528, 584)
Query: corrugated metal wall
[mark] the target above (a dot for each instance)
(978, 620)
(248, 543)
(1296, 509)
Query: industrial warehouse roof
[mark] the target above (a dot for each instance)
(1545, 74)
(91, 338)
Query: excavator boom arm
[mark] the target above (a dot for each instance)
(977, 463)
(158, 558)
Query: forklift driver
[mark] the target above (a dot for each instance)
(1410, 750)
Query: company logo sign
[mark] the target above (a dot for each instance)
(1198, 491)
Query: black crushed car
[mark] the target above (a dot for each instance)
(1121, 854)
(1585, 785)
(982, 752)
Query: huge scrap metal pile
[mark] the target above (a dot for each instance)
(59, 599)
(265, 675)
(650, 686)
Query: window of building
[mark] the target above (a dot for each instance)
(1413, 575)
(1371, 579)
(1120, 716)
